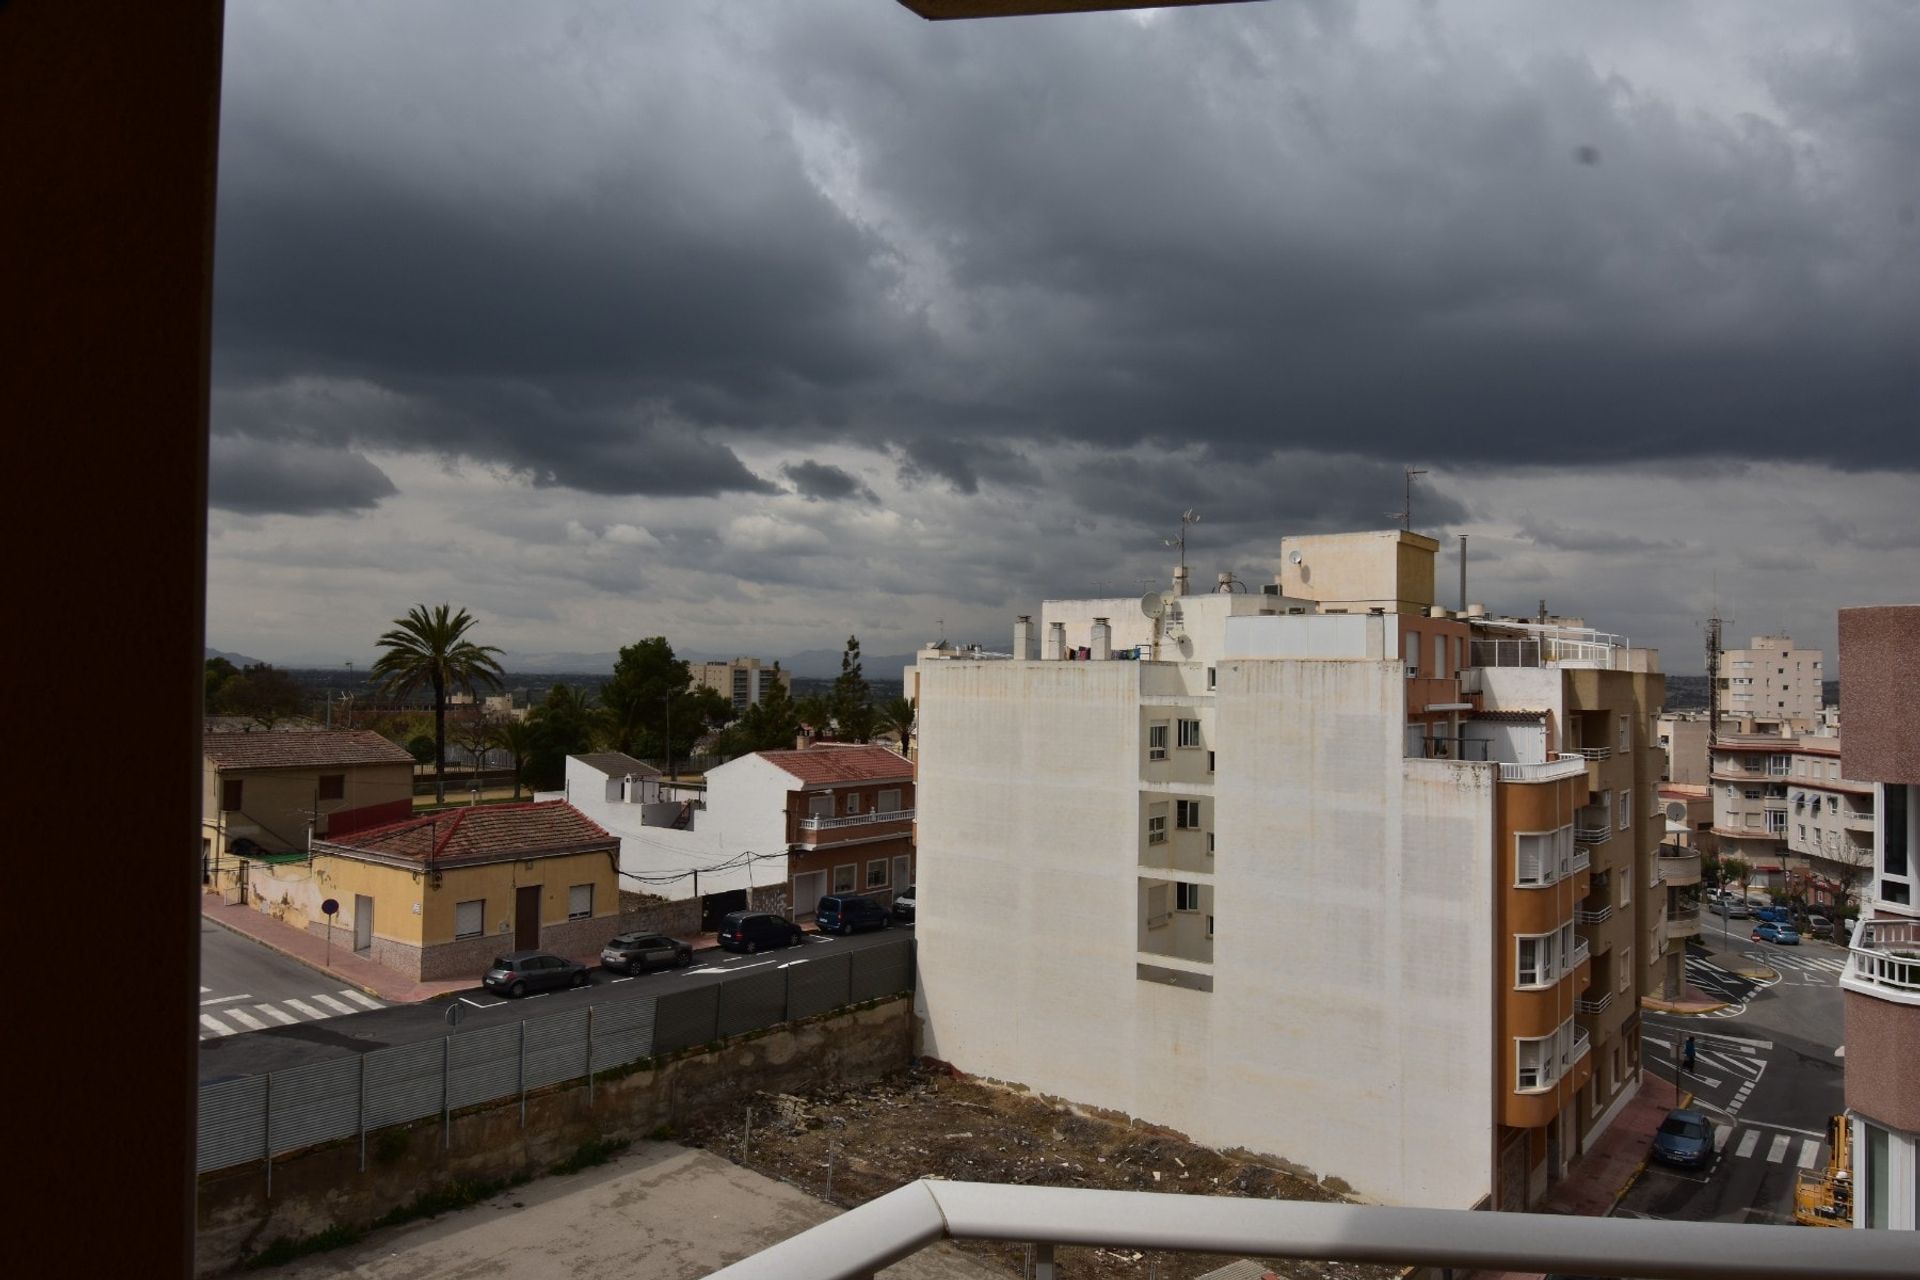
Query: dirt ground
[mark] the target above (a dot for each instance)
(850, 1147)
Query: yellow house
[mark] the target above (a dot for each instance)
(440, 895)
(263, 790)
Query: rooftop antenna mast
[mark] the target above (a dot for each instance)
(1714, 624)
(1187, 517)
(1406, 512)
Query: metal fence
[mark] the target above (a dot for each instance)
(260, 1117)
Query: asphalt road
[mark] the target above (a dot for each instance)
(1768, 1074)
(279, 1047)
(247, 987)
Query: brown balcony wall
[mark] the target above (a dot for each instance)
(1880, 652)
(1883, 1060)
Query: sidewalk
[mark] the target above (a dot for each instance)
(364, 975)
(1596, 1181)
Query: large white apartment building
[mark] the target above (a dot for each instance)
(1774, 682)
(1330, 875)
(1782, 806)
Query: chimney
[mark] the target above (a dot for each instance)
(1102, 640)
(1023, 636)
(1056, 641)
(1180, 581)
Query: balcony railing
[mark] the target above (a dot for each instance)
(1581, 952)
(1683, 923)
(1599, 915)
(906, 1220)
(1884, 960)
(1679, 869)
(855, 820)
(1582, 857)
(1595, 753)
(1593, 835)
(1562, 766)
(1598, 1004)
(1582, 1043)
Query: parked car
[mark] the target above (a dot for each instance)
(1685, 1138)
(849, 913)
(637, 952)
(1768, 931)
(521, 972)
(903, 905)
(1819, 927)
(1773, 915)
(752, 931)
(1733, 908)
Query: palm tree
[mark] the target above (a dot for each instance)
(429, 647)
(515, 737)
(897, 714)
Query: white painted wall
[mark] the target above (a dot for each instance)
(1350, 1026)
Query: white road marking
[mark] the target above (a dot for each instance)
(337, 1006)
(304, 1009)
(1710, 1082)
(1809, 1152)
(791, 963)
(1748, 1141)
(246, 1020)
(204, 990)
(476, 1004)
(1841, 1052)
(1781, 1128)
(214, 1026)
(360, 998)
(1779, 1148)
(223, 999)
(1742, 1065)
(274, 1012)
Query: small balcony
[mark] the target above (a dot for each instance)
(1592, 835)
(1582, 953)
(1683, 922)
(1677, 868)
(1595, 753)
(1598, 915)
(852, 827)
(1582, 1043)
(1561, 766)
(1597, 1005)
(1884, 960)
(1582, 857)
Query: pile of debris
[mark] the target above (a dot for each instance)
(849, 1147)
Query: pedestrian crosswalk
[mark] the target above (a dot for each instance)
(1812, 966)
(232, 1015)
(1802, 1151)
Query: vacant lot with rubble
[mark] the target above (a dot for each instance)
(850, 1147)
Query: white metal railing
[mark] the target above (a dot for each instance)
(906, 1220)
(1581, 952)
(1599, 916)
(1593, 835)
(1884, 959)
(1582, 857)
(1596, 753)
(1582, 1043)
(811, 823)
(1563, 766)
(1598, 1004)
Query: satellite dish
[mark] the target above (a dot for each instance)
(1152, 605)
(1676, 811)
(1294, 557)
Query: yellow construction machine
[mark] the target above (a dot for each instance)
(1824, 1197)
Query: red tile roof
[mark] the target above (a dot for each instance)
(300, 748)
(831, 763)
(484, 832)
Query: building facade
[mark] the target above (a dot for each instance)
(268, 792)
(743, 681)
(1880, 653)
(1775, 683)
(1783, 806)
(1321, 871)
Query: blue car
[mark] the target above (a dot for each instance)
(1685, 1139)
(1784, 934)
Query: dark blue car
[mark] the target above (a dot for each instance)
(1685, 1139)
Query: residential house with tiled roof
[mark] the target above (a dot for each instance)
(833, 818)
(440, 895)
(264, 791)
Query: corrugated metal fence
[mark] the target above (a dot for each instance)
(260, 1117)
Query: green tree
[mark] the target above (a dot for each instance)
(814, 712)
(897, 714)
(515, 737)
(420, 747)
(219, 671)
(429, 647)
(264, 692)
(1736, 870)
(771, 724)
(653, 707)
(567, 723)
(851, 701)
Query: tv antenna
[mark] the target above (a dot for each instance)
(1406, 513)
(1187, 517)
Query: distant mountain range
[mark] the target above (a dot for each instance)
(237, 659)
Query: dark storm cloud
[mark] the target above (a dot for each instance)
(1563, 538)
(586, 248)
(258, 478)
(823, 480)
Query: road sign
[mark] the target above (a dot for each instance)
(331, 907)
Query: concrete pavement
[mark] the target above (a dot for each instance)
(657, 1212)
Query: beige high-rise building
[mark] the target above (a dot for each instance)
(742, 682)
(1772, 682)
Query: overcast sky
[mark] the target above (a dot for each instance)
(758, 322)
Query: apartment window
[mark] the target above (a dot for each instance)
(1833, 804)
(1532, 963)
(1189, 733)
(470, 918)
(1209, 762)
(1157, 824)
(1626, 967)
(1537, 1062)
(1186, 897)
(1626, 891)
(579, 902)
(1626, 734)
(1439, 656)
(1543, 857)
(1157, 740)
(1209, 844)
(888, 802)
(1410, 649)
(1751, 793)
(820, 806)
(843, 878)
(877, 874)
(853, 803)
(333, 786)
(230, 791)
(1893, 832)
(1776, 822)
(1210, 677)
(1186, 815)
(1158, 913)
(1626, 808)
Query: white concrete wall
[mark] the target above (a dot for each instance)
(747, 811)
(1350, 1024)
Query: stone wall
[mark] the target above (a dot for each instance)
(326, 1187)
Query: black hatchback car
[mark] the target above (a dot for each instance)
(522, 972)
(757, 931)
(636, 952)
(849, 913)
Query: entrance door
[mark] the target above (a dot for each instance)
(362, 922)
(902, 874)
(808, 889)
(526, 917)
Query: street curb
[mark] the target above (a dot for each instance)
(335, 974)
